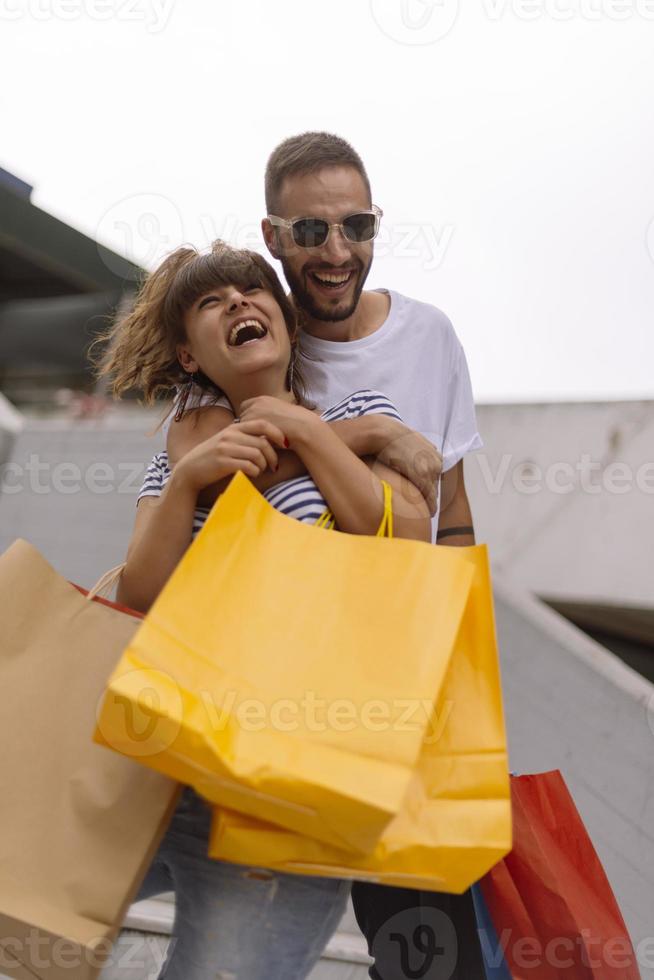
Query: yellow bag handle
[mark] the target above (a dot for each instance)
(326, 520)
(385, 529)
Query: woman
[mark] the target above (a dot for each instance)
(223, 320)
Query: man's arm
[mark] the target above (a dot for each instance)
(379, 436)
(455, 526)
(367, 434)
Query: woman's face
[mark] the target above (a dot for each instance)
(234, 331)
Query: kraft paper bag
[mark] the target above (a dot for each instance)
(456, 819)
(79, 825)
(267, 612)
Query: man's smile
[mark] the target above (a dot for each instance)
(332, 281)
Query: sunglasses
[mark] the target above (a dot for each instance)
(362, 226)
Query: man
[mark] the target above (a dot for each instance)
(320, 225)
(352, 336)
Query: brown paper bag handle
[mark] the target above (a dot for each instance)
(106, 582)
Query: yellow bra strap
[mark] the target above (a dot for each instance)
(385, 529)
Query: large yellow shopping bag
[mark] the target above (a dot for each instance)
(290, 673)
(456, 820)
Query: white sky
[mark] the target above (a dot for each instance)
(512, 155)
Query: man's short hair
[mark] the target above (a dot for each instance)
(305, 154)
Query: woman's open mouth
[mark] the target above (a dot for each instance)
(333, 282)
(246, 332)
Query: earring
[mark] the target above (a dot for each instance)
(291, 368)
(188, 387)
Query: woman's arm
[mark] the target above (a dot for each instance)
(352, 489)
(164, 525)
(406, 452)
(162, 532)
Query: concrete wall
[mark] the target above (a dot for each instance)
(579, 545)
(554, 525)
(72, 489)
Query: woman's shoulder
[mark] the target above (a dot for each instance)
(364, 401)
(159, 461)
(156, 475)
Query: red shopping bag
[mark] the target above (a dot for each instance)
(555, 915)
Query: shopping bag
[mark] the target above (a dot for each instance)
(294, 671)
(79, 825)
(455, 822)
(550, 901)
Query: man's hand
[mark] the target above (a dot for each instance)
(409, 453)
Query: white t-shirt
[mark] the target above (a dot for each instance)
(416, 359)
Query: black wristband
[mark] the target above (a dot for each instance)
(449, 531)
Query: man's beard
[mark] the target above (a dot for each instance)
(306, 302)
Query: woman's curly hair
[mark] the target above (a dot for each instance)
(138, 351)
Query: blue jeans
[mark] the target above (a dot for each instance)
(236, 922)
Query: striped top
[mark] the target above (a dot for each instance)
(298, 498)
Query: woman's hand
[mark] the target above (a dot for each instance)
(246, 446)
(294, 421)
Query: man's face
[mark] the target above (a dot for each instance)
(326, 281)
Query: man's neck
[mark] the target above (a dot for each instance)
(371, 312)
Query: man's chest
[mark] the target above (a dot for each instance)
(409, 381)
